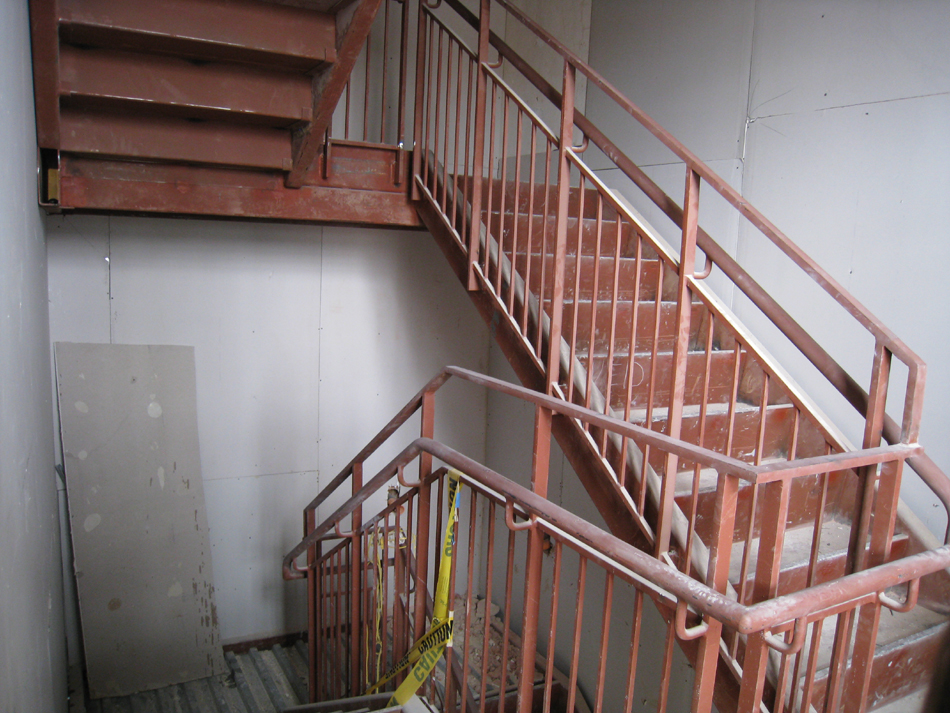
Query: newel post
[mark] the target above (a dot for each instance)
(684, 306)
(871, 544)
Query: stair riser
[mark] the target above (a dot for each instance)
(648, 270)
(539, 233)
(722, 368)
(776, 441)
(804, 500)
(646, 332)
(518, 198)
(829, 567)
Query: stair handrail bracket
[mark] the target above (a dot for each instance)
(375, 579)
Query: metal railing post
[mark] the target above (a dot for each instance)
(565, 141)
(532, 591)
(720, 552)
(419, 109)
(872, 542)
(680, 354)
(422, 519)
(310, 522)
(356, 590)
(774, 509)
(478, 168)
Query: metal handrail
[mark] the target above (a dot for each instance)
(649, 571)
(760, 474)
(817, 355)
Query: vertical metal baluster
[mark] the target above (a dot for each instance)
(611, 346)
(578, 618)
(486, 632)
(684, 312)
(651, 388)
(528, 240)
(594, 292)
(775, 500)
(466, 646)
(403, 90)
(515, 212)
(450, 650)
(457, 138)
(418, 140)
(478, 178)
(445, 123)
(434, 188)
(634, 651)
(467, 171)
(552, 368)
(399, 589)
(313, 591)
(338, 621)
(346, 114)
(366, 74)
(655, 346)
(542, 288)
(377, 624)
(697, 468)
(503, 189)
(387, 617)
(812, 667)
(509, 574)
(631, 366)
(667, 668)
(368, 644)
(429, 169)
(717, 577)
(316, 649)
(578, 257)
(604, 638)
(489, 176)
(552, 633)
(385, 74)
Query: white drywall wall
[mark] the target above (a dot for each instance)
(307, 341)
(32, 642)
(832, 119)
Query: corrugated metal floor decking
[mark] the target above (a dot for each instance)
(258, 682)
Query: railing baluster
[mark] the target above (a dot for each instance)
(684, 308)
(515, 213)
(552, 633)
(528, 239)
(487, 614)
(578, 618)
(565, 140)
(717, 575)
(634, 651)
(768, 566)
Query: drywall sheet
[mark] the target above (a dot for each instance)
(137, 513)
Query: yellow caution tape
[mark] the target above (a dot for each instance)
(426, 652)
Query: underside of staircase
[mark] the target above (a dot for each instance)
(692, 441)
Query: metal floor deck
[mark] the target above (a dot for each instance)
(264, 681)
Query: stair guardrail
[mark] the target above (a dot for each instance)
(551, 247)
(345, 584)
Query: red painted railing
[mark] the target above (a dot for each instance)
(712, 450)
(368, 586)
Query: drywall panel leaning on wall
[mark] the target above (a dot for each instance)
(140, 535)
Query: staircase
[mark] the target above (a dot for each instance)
(771, 547)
